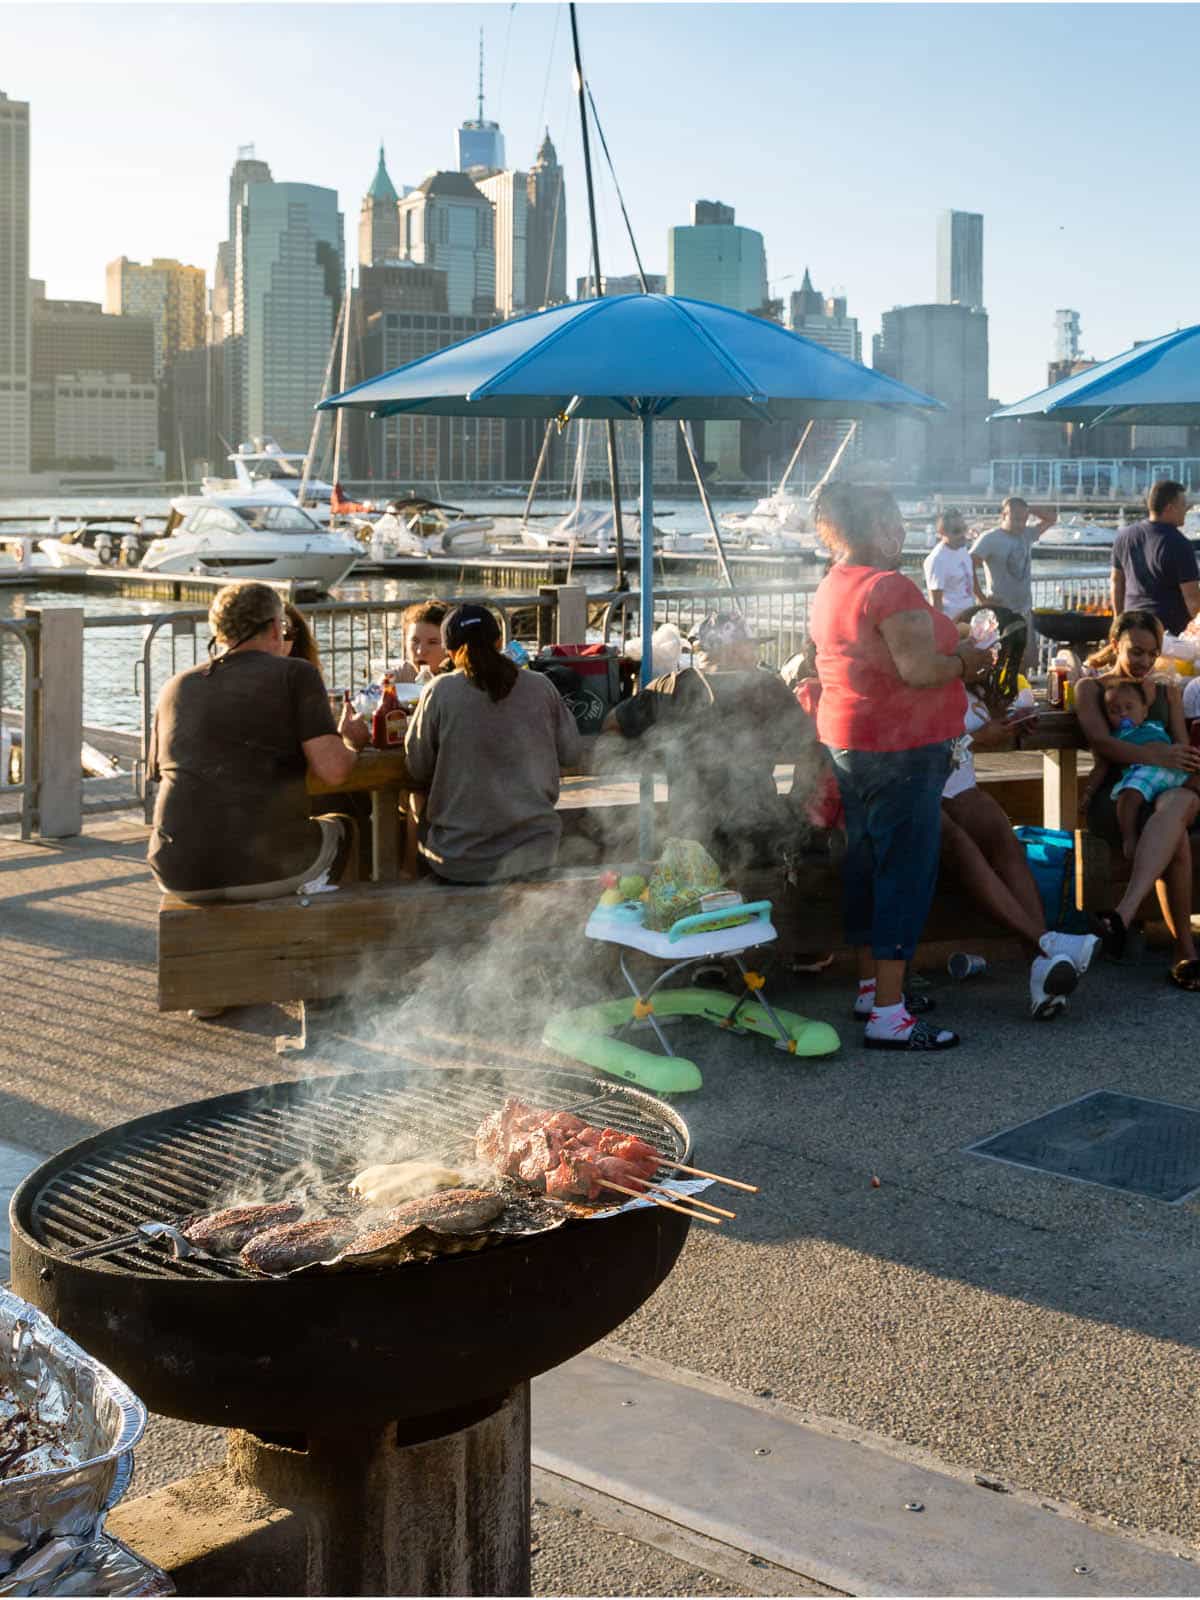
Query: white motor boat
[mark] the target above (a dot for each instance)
(1073, 534)
(95, 541)
(248, 534)
(418, 527)
(262, 466)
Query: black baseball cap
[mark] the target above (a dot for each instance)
(467, 623)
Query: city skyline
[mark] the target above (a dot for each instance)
(852, 187)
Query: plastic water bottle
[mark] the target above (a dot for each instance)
(516, 651)
(985, 630)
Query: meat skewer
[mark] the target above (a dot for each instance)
(567, 1158)
(699, 1172)
(669, 1205)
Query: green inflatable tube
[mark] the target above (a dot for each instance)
(586, 1035)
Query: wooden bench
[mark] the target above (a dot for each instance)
(366, 936)
(1102, 873)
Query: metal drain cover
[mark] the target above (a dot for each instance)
(1118, 1141)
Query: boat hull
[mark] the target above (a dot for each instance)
(326, 568)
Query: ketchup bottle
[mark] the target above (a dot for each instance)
(387, 725)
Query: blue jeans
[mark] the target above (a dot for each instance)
(893, 803)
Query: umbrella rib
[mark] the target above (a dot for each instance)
(537, 349)
(727, 361)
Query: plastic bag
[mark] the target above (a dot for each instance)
(684, 872)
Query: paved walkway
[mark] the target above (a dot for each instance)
(976, 1316)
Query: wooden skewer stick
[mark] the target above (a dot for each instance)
(692, 1200)
(642, 1194)
(699, 1172)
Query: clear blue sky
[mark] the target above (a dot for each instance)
(839, 131)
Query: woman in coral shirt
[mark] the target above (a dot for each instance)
(892, 671)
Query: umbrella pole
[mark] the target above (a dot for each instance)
(646, 783)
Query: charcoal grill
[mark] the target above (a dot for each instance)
(389, 1406)
(209, 1341)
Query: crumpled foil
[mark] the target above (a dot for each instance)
(53, 1500)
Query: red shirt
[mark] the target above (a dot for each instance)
(865, 704)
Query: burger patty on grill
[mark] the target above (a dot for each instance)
(297, 1244)
(225, 1232)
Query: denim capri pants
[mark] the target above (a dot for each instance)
(893, 804)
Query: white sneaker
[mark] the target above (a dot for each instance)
(1077, 948)
(1051, 980)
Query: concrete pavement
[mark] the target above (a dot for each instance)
(977, 1316)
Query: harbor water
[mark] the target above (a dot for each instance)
(112, 690)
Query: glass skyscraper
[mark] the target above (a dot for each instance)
(960, 259)
(289, 276)
(713, 259)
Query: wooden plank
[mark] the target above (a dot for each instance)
(275, 950)
(1060, 788)
(386, 824)
(373, 769)
(1093, 872)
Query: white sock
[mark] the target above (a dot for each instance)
(890, 1022)
(865, 1002)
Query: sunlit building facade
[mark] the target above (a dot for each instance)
(170, 294)
(14, 287)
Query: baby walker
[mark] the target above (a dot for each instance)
(593, 1034)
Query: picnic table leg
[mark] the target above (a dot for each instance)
(1060, 789)
(385, 835)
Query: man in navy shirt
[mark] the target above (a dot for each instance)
(1154, 565)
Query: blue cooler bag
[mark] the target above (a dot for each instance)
(1051, 856)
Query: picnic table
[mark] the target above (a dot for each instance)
(383, 774)
(1057, 736)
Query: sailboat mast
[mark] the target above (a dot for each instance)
(306, 470)
(337, 431)
(598, 282)
(788, 470)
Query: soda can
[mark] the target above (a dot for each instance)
(961, 965)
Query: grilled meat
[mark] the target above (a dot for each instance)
(558, 1152)
(297, 1244)
(440, 1224)
(452, 1211)
(403, 1180)
(225, 1232)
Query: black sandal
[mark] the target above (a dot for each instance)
(1186, 975)
(921, 1036)
(1110, 925)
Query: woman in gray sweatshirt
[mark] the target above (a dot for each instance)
(487, 745)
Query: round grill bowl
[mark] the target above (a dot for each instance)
(1072, 627)
(426, 1344)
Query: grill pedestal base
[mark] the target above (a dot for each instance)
(445, 1516)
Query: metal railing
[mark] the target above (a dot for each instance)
(777, 611)
(19, 715)
(355, 640)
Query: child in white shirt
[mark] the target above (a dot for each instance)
(949, 573)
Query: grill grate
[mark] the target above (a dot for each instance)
(168, 1167)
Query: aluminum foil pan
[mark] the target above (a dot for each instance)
(67, 1431)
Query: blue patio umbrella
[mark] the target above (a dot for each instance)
(1155, 382)
(641, 357)
(646, 357)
